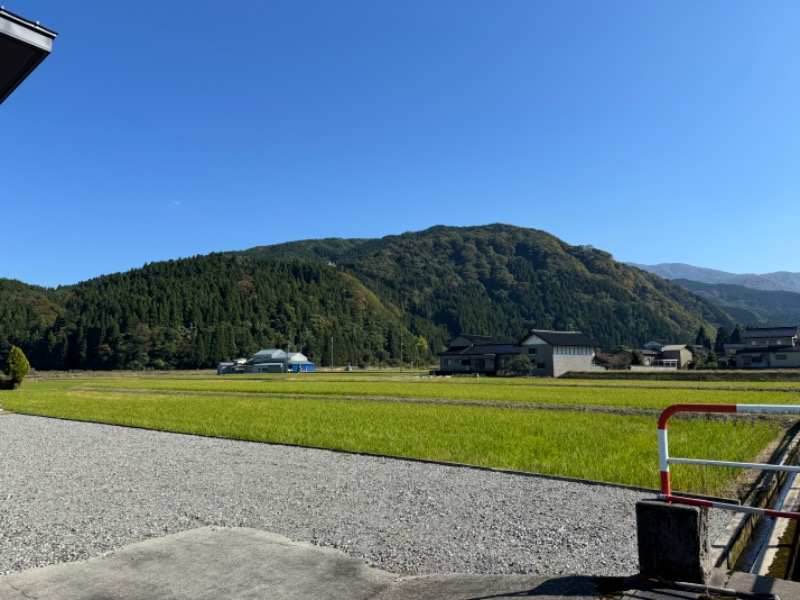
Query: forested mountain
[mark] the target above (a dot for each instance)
(368, 300)
(502, 280)
(749, 306)
(195, 312)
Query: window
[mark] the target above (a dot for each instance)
(532, 351)
(780, 357)
(540, 365)
(465, 362)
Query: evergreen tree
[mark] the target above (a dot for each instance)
(722, 338)
(702, 339)
(17, 366)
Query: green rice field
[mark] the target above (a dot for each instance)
(599, 430)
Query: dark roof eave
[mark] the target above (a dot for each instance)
(24, 45)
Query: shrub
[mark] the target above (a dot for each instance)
(17, 366)
(520, 364)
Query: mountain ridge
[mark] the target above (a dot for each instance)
(777, 281)
(370, 299)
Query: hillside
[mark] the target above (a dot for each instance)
(749, 306)
(27, 314)
(502, 280)
(371, 299)
(778, 281)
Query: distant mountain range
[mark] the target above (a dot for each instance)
(773, 282)
(759, 300)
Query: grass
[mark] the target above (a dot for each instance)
(479, 390)
(334, 412)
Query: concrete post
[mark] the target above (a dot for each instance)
(673, 541)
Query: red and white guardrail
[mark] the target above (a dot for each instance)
(665, 460)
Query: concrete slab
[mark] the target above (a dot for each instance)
(758, 584)
(735, 584)
(244, 564)
(205, 563)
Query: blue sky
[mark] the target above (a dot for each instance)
(658, 131)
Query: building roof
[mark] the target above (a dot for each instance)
(269, 352)
(561, 338)
(481, 350)
(476, 340)
(657, 343)
(672, 347)
(267, 355)
(298, 358)
(775, 332)
(23, 45)
(768, 350)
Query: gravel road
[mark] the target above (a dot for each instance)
(69, 491)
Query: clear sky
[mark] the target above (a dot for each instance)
(660, 131)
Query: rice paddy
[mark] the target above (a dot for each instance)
(598, 430)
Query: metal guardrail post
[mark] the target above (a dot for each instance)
(665, 460)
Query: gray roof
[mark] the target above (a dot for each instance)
(562, 338)
(763, 332)
(23, 45)
(768, 350)
(481, 350)
(269, 352)
(478, 339)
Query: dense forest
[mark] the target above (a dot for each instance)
(362, 301)
(749, 306)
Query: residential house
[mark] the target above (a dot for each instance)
(476, 354)
(552, 353)
(769, 348)
(663, 353)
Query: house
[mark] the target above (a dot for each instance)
(769, 348)
(552, 353)
(271, 360)
(663, 353)
(476, 354)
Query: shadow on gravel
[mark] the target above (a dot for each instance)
(563, 587)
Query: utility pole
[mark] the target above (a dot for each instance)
(401, 351)
(331, 353)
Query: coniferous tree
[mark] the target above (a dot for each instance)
(722, 338)
(17, 366)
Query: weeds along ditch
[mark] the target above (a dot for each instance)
(595, 432)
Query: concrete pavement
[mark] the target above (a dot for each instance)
(243, 564)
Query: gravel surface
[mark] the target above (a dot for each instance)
(70, 490)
